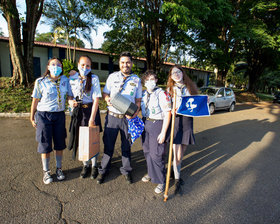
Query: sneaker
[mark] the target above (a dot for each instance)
(128, 178)
(47, 177)
(178, 186)
(85, 172)
(160, 188)
(59, 174)
(146, 178)
(94, 172)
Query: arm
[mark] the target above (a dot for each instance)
(34, 104)
(166, 121)
(93, 112)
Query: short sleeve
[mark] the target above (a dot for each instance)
(139, 90)
(164, 101)
(96, 87)
(108, 85)
(36, 91)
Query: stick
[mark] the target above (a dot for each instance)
(170, 149)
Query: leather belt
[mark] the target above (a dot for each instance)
(116, 115)
(86, 105)
(153, 120)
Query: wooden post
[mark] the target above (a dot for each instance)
(170, 148)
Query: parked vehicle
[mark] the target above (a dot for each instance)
(219, 98)
(276, 97)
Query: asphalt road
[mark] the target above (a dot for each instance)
(231, 176)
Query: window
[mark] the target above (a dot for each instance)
(228, 92)
(221, 92)
(94, 65)
(104, 66)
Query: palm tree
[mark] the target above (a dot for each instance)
(71, 18)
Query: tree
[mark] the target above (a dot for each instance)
(51, 38)
(261, 45)
(136, 25)
(22, 61)
(73, 18)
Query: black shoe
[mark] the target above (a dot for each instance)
(178, 186)
(128, 178)
(94, 172)
(85, 172)
(101, 179)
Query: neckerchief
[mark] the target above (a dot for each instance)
(181, 87)
(57, 86)
(148, 100)
(125, 78)
(81, 83)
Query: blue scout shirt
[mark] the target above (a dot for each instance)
(132, 89)
(159, 102)
(77, 88)
(47, 90)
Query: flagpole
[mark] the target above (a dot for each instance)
(170, 148)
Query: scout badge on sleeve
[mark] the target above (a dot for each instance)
(194, 106)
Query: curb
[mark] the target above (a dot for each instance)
(9, 115)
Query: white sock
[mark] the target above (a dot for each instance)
(94, 161)
(45, 163)
(85, 163)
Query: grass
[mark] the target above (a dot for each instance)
(18, 99)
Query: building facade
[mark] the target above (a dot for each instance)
(103, 63)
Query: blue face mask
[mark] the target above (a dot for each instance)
(55, 70)
(84, 71)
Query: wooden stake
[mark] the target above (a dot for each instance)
(170, 148)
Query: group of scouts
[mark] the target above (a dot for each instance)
(82, 89)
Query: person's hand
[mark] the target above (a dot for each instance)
(161, 138)
(33, 123)
(108, 101)
(91, 123)
(73, 103)
(72, 72)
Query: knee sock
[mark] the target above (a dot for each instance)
(85, 163)
(177, 169)
(58, 161)
(45, 163)
(94, 161)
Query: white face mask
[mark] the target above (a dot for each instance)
(83, 71)
(176, 75)
(150, 85)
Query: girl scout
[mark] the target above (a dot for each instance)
(183, 129)
(49, 96)
(156, 110)
(85, 87)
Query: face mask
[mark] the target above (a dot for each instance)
(55, 70)
(150, 84)
(84, 71)
(176, 75)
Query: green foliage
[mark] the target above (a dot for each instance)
(14, 99)
(68, 66)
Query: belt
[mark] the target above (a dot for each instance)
(116, 115)
(153, 120)
(86, 105)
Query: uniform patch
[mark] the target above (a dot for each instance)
(132, 84)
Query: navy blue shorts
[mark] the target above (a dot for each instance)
(50, 127)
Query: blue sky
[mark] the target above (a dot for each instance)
(97, 38)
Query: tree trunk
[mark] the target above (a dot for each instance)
(12, 17)
(33, 13)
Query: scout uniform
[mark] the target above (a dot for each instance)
(130, 87)
(153, 106)
(77, 84)
(50, 116)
